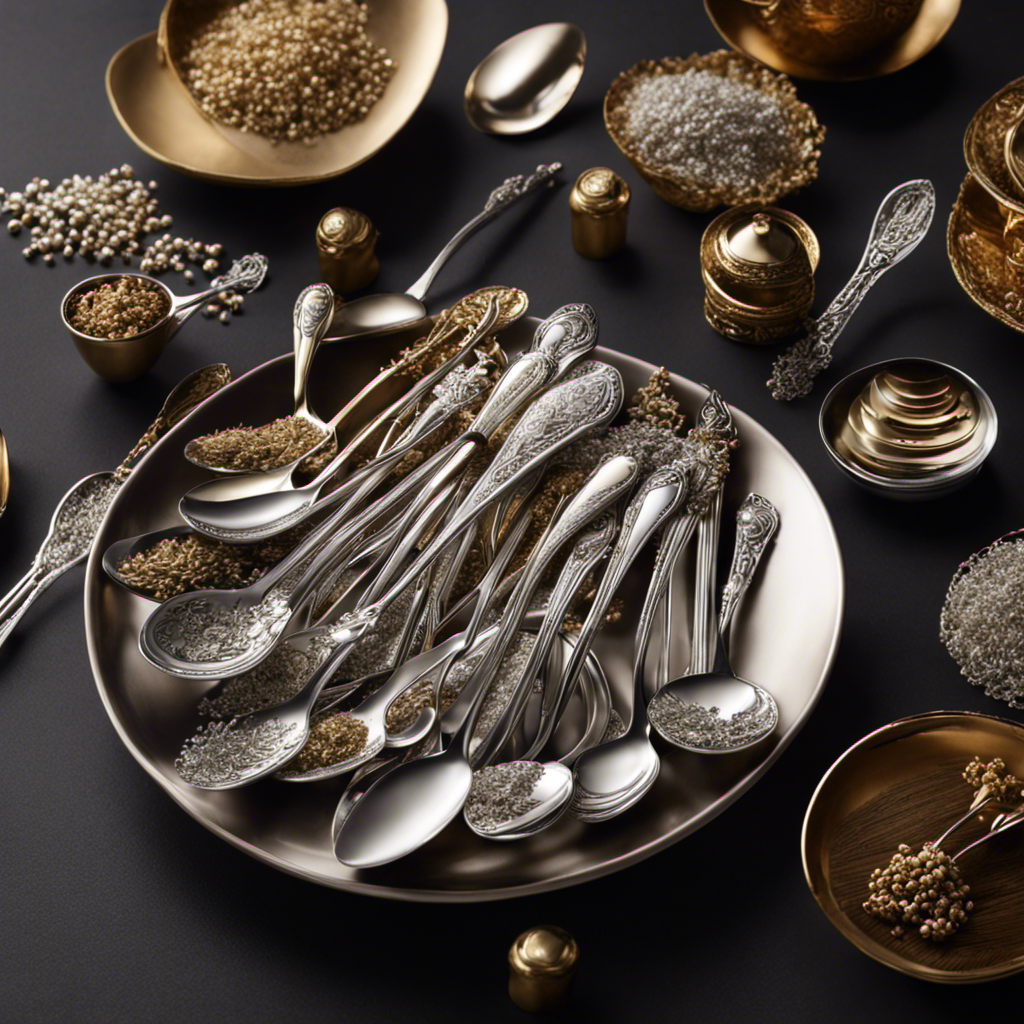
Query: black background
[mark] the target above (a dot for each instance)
(118, 907)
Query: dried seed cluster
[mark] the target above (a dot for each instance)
(256, 449)
(923, 890)
(982, 620)
(335, 737)
(289, 70)
(118, 309)
(708, 129)
(992, 779)
(176, 565)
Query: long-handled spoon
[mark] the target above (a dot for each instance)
(78, 516)
(900, 223)
(697, 712)
(373, 314)
(250, 748)
(219, 511)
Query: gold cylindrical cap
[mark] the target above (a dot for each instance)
(541, 965)
(599, 205)
(345, 241)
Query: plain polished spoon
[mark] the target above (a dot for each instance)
(526, 80)
(374, 314)
(680, 709)
(499, 308)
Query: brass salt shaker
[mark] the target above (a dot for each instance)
(599, 205)
(541, 965)
(758, 268)
(345, 241)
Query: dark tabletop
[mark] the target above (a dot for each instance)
(116, 906)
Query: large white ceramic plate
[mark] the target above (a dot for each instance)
(784, 636)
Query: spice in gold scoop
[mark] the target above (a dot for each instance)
(911, 420)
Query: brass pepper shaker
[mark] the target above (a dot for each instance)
(345, 241)
(758, 268)
(541, 964)
(599, 205)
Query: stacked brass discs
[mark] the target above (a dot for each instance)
(758, 267)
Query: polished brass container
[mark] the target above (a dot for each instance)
(345, 244)
(541, 965)
(909, 428)
(758, 267)
(599, 208)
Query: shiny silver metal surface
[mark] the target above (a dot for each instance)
(785, 637)
(900, 224)
(526, 81)
(374, 314)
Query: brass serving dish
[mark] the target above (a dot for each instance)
(902, 784)
(758, 264)
(702, 196)
(975, 244)
(739, 25)
(159, 115)
(783, 636)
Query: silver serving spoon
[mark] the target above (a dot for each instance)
(900, 224)
(464, 315)
(526, 80)
(310, 318)
(374, 314)
(247, 749)
(78, 516)
(683, 710)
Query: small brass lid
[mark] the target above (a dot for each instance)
(599, 191)
(343, 228)
(541, 963)
(762, 238)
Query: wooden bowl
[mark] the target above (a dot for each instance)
(706, 195)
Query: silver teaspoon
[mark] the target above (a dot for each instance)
(373, 314)
(698, 712)
(900, 224)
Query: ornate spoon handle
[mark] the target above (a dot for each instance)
(508, 192)
(314, 309)
(900, 224)
(757, 519)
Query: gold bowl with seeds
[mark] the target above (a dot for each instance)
(700, 196)
(161, 117)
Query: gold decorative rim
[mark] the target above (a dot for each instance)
(700, 196)
(736, 22)
(976, 215)
(845, 775)
(984, 144)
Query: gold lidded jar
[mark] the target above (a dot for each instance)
(599, 208)
(541, 965)
(758, 264)
(345, 243)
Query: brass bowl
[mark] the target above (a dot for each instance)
(703, 196)
(738, 23)
(977, 254)
(902, 784)
(159, 115)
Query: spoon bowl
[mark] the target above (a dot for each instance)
(527, 80)
(550, 798)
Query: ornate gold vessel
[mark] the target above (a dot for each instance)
(758, 267)
(345, 241)
(599, 208)
(541, 965)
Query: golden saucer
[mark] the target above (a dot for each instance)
(902, 784)
(737, 24)
(160, 118)
(974, 242)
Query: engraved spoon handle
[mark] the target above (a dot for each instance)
(902, 221)
(21, 599)
(757, 519)
(701, 647)
(314, 309)
(508, 192)
(244, 275)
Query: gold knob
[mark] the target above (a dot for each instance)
(541, 964)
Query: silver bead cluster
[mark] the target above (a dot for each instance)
(289, 70)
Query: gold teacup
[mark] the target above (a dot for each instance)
(834, 31)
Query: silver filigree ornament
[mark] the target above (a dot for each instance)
(518, 185)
